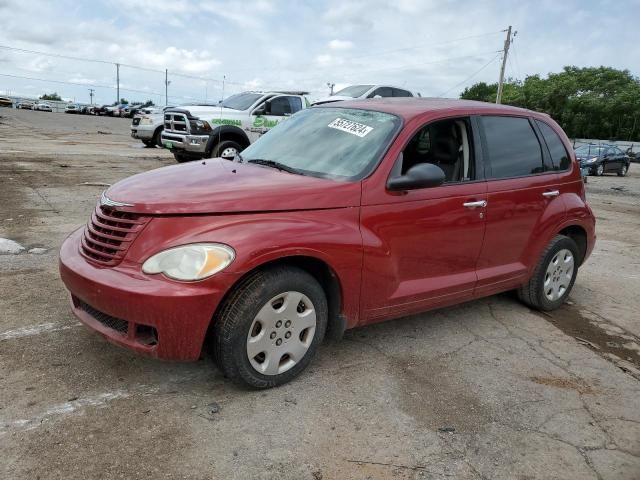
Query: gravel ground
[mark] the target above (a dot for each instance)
(487, 389)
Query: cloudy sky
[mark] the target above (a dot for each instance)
(433, 47)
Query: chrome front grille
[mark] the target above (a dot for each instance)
(176, 122)
(109, 233)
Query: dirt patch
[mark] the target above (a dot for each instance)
(587, 332)
(568, 383)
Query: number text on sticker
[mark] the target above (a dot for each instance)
(348, 126)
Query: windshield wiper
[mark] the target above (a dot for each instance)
(274, 164)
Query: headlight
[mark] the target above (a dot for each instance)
(146, 121)
(190, 262)
(200, 126)
(592, 160)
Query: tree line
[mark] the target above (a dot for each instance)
(597, 102)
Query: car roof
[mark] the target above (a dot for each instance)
(410, 107)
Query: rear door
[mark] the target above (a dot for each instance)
(522, 201)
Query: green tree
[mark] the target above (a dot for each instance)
(594, 102)
(51, 96)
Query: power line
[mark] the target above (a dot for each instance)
(110, 87)
(385, 52)
(471, 76)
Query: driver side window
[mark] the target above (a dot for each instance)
(281, 106)
(447, 144)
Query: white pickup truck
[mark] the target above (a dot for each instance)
(196, 132)
(147, 126)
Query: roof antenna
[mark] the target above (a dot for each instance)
(224, 77)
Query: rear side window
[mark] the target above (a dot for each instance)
(398, 92)
(382, 91)
(559, 155)
(513, 147)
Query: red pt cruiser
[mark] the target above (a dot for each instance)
(343, 215)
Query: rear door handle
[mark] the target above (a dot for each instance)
(477, 204)
(552, 193)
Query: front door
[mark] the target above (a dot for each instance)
(421, 246)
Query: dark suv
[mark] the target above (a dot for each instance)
(600, 159)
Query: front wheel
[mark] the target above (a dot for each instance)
(623, 171)
(181, 158)
(269, 328)
(226, 149)
(553, 277)
(600, 170)
(157, 138)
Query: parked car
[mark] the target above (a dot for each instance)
(343, 215)
(72, 108)
(600, 159)
(25, 105)
(193, 132)
(148, 126)
(6, 102)
(633, 156)
(131, 110)
(365, 91)
(87, 109)
(43, 107)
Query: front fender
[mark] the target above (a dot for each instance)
(332, 236)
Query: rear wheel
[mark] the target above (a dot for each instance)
(226, 149)
(553, 277)
(623, 170)
(269, 329)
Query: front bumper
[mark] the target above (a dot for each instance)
(184, 142)
(149, 314)
(142, 132)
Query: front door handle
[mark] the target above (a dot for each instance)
(552, 193)
(478, 204)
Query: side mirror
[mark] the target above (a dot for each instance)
(377, 96)
(262, 109)
(423, 175)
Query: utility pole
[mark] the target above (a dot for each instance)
(117, 83)
(166, 87)
(507, 44)
(91, 95)
(331, 85)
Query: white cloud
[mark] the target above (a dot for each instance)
(340, 44)
(263, 44)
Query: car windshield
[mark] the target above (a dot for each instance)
(241, 101)
(354, 91)
(337, 143)
(589, 150)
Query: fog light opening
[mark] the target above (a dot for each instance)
(146, 335)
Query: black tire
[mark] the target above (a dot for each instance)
(225, 145)
(623, 170)
(533, 292)
(599, 171)
(157, 140)
(181, 158)
(234, 320)
(148, 143)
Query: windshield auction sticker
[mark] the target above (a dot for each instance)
(348, 126)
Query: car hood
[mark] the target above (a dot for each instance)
(220, 186)
(204, 111)
(333, 98)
